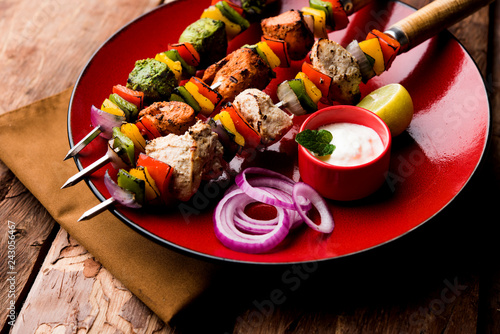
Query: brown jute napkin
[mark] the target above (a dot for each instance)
(33, 143)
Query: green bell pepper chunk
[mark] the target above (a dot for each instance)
(326, 7)
(132, 184)
(186, 68)
(232, 15)
(131, 111)
(188, 98)
(176, 97)
(124, 145)
(297, 85)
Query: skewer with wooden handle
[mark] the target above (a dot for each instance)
(431, 19)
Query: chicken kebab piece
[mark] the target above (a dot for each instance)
(172, 167)
(290, 35)
(299, 28)
(127, 140)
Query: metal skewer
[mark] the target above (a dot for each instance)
(87, 171)
(279, 104)
(99, 208)
(84, 142)
(106, 158)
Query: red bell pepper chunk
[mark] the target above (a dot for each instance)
(339, 15)
(206, 91)
(187, 52)
(130, 95)
(159, 171)
(279, 48)
(321, 80)
(390, 46)
(147, 128)
(252, 137)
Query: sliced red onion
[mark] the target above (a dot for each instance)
(289, 99)
(309, 21)
(295, 219)
(273, 180)
(252, 228)
(105, 121)
(240, 232)
(233, 238)
(122, 196)
(116, 161)
(366, 69)
(301, 189)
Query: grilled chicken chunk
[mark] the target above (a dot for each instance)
(195, 155)
(170, 117)
(333, 60)
(241, 69)
(290, 27)
(261, 113)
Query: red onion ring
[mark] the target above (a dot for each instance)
(240, 232)
(105, 121)
(272, 180)
(122, 196)
(231, 237)
(305, 190)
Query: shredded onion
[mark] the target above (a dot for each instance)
(366, 69)
(116, 161)
(290, 100)
(122, 196)
(105, 121)
(240, 232)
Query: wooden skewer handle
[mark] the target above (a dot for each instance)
(431, 19)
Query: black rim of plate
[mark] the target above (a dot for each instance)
(204, 256)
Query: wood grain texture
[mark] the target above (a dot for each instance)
(85, 298)
(434, 17)
(45, 46)
(26, 231)
(74, 293)
(43, 49)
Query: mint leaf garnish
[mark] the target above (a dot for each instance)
(316, 141)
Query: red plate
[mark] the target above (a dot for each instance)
(431, 163)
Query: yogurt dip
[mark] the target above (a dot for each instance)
(354, 144)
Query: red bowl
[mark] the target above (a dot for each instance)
(345, 183)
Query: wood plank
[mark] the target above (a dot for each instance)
(74, 293)
(45, 46)
(490, 282)
(43, 49)
(101, 304)
(26, 231)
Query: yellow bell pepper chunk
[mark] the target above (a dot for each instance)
(228, 123)
(112, 108)
(372, 48)
(132, 131)
(142, 173)
(232, 29)
(311, 89)
(174, 66)
(207, 107)
(272, 58)
(319, 21)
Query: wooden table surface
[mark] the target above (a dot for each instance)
(451, 286)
